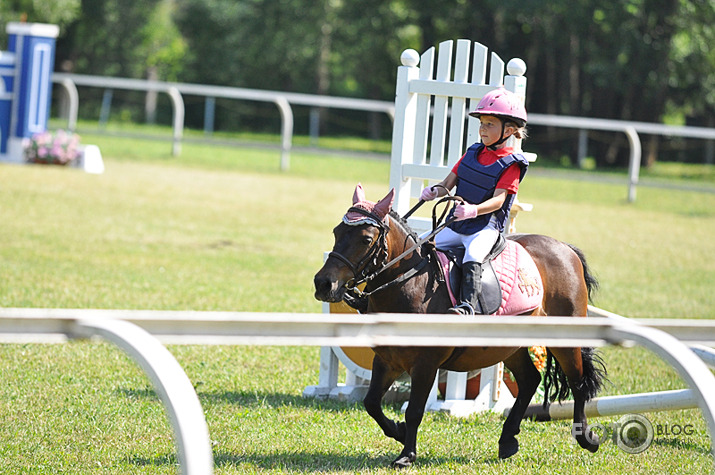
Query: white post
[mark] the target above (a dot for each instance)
(177, 103)
(516, 83)
(286, 131)
(634, 164)
(404, 128)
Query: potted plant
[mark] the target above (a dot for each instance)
(60, 148)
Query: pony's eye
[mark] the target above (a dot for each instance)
(367, 240)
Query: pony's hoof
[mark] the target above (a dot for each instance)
(404, 461)
(507, 449)
(590, 443)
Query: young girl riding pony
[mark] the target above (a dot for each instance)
(487, 177)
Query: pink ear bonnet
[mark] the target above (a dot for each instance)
(378, 210)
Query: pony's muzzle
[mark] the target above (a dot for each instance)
(327, 289)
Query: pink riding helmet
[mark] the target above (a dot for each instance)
(501, 102)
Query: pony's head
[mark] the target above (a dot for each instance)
(359, 248)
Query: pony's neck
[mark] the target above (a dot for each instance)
(400, 238)
(396, 298)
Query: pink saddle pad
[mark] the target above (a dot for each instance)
(521, 286)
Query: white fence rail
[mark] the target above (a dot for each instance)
(139, 333)
(631, 129)
(283, 102)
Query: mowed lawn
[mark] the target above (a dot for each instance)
(223, 229)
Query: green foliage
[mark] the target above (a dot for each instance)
(233, 35)
(646, 60)
(163, 45)
(691, 85)
(109, 39)
(61, 12)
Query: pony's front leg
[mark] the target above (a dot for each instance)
(422, 382)
(380, 381)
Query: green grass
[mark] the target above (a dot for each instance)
(164, 133)
(64, 411)
(222, 228)
(681, 172)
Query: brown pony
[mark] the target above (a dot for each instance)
(372, 235)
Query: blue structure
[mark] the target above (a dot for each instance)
(25, 85)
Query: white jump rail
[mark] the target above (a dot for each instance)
(170, 381)
(630, 403)
(283, 102)
(139, 333)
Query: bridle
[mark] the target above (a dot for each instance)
(377, 254)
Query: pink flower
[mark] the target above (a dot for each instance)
(60, 148)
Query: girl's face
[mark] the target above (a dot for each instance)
(490, 130)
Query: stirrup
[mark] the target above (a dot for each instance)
(462, 309)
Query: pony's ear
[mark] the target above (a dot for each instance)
(358, 194)
(383, 207)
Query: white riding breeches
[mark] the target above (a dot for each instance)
(476, 246)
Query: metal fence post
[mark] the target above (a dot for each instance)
(634, 163)
(286, 131)
(177, 103)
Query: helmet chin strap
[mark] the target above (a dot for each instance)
(502, 139)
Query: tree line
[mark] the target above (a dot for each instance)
(645, 60)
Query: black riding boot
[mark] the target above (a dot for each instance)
(472, 301)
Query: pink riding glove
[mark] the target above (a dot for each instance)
(428, 194)
(466, 211)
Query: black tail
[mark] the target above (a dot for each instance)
(556, 385)
(591, 282)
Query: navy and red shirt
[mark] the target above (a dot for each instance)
(479, 173)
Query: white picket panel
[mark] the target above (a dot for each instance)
(439, 114)
(479, 74)
(431, 106)
(459, 113)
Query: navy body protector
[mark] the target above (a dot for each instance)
(476, 183)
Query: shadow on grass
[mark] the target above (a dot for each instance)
(257, 399)
(303, 461)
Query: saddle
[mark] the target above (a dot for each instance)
(511, 283)
(491, 288)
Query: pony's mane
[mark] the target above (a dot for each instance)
(402, 222)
